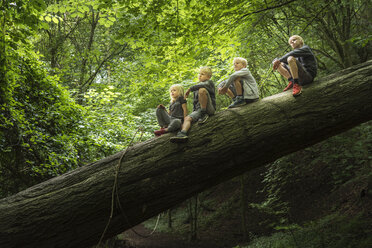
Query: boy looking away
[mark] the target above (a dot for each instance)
(241, 85)
(204, 103)
(299, 66)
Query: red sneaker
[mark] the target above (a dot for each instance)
(290, 85)
(160, 132)
(296, 90)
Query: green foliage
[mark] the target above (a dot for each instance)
(108, 122)
(331, 232)
(38, 119)
(160, 43)
(330, 163)
(209, 213)
(118, 59)
(38, 124)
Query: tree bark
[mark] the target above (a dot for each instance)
(72, 210)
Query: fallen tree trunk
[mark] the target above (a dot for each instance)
(72, 210)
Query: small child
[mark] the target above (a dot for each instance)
(172, 120)
(241, 85)
(204, 103)
(299, 66)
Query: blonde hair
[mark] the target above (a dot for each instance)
(297, 37)
(242, 60)
(207, 70)
(179, 89)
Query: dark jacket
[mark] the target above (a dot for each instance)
(305, 56)
(209, 86)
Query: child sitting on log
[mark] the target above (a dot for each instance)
(299, 66)
(241, 85)
(171, 121)
(204, 103)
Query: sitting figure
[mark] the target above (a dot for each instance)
(241, 85)
(171, 121)
(298, 66)
(204, 103)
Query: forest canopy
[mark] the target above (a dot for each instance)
(79, 77)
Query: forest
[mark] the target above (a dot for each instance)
(81, 80)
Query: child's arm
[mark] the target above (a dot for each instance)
(200, 85)
(242, 73)
(298, 52)
(187, 93)
(184, 107)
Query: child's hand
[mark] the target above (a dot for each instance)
(222, 91)
(276, 64)
(161, 106)
(187, 93)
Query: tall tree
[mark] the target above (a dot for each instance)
(79, 43)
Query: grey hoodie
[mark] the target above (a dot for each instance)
(250, 89)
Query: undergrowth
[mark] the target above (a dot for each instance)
(332, 231)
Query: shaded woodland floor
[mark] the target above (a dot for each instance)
(225, 232)
(319, 183)
(163, 240)
(351, 199)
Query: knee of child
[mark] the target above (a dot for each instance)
(202, 91)
(237, 83)
(291, 59)
(188, 118)
(178, 122)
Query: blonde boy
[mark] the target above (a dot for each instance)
(204, 103)
(299, 66)
(241, 85)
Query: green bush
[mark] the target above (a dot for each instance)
(332, 232)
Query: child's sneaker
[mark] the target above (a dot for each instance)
(239, 101)
(203, 118)
(290, 85)
(159, 132)
(296, 90)
(179, 138)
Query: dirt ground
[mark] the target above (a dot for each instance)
(163, 240)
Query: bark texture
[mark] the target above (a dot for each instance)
(72, 210)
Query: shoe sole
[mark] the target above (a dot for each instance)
(299, 93)
(238, 105)
(178, 139)
(203, 121)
